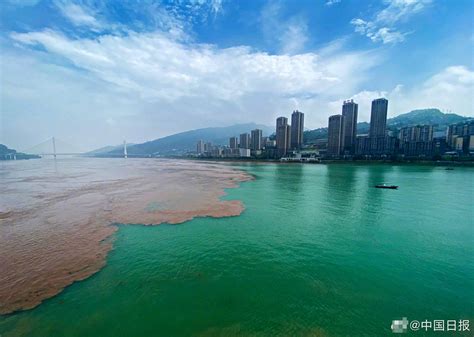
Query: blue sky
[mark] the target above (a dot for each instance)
(95, 72)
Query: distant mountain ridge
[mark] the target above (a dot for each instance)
(106, 149)
(427, 117)
(186, 141)
(415, 117)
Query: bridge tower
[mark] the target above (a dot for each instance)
(125, 149)
(54, 148)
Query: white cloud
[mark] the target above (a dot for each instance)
(294, 37)
(332, 2)
(79, 15)
(151, 85)
(176, 18)
(360, 26)
(399, 10)
(383, 27)
(40, 100)
(144, 86)
(193, 11)
(289, 34)
(141, 86)
(157, 67)
(386, 35)
(216, 6)
(449, 90)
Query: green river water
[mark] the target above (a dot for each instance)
(317, 252)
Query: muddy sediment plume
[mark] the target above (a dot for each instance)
(56, 219)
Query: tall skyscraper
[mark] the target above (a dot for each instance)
(256, 139)
(297, 128)
(283, 135)
(378, 118)
(349, 112)
(233, 142)
(335, 135)
(244, 141)
(200, 147)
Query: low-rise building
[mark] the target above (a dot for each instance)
(245, 153)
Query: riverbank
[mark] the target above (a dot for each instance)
(335, 161)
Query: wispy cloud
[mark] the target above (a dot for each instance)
(175, 17)
(216, 6)
(294, 36)
(79, 15)
(383, 27)
(290, 34)
(159, 67)
(332, 2)
(449, 90)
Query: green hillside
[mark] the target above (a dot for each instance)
(7, 154)
(186, 141)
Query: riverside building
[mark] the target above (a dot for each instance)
(283, 134)
(297, 129)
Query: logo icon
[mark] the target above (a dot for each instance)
(399, 325)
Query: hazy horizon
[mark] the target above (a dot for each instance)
(94, 73)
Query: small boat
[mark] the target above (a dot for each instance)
(391, 187)
(449, 169)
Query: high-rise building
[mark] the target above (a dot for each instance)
(378, 118)
(297, 128)
(362, 146)
(415, 141)
(335, 135)
(349, 112)
(418, 133)
(458, 130)
(244, 141)
(256, 139)
(426, 133)
(200, 147)
(283, 135)
(233, 142)
(450, 136)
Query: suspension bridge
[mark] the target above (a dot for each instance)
(56, 147)
(53, 147)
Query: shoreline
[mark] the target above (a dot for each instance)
(335, 161)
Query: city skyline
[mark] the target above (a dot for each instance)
(79, 68)
(411, 141)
